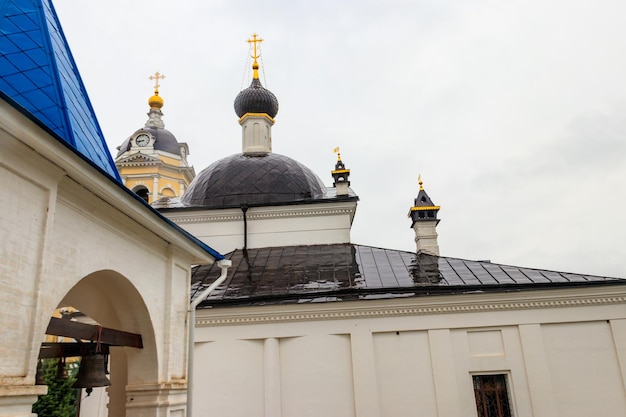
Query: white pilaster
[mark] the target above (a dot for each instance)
(155, 188)
(444, 373)
(618, 331)
(364, 370)
(272, 378)
(537, 371)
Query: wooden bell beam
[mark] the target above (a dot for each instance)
(69, 350)
(84, 331)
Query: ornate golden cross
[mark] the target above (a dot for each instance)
(157, 76)
(254, 41)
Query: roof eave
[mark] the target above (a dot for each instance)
(14, 119)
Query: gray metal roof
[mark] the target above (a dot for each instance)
(320, 273)
(253, 179)
(164, 140)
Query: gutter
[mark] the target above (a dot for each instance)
(224, 264)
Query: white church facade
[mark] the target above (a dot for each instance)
(308, 323)
(293, 319)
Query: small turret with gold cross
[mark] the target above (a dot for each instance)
(340, 174)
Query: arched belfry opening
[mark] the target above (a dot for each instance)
(143, 192)
(104, 316)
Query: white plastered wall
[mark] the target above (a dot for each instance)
(304, 224)
(66, 241)
(563, 353)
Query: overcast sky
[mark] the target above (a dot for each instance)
(513, 112)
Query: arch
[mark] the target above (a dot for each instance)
(142, 191)
(167, 191)
(112, 300)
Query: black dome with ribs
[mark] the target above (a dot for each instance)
(253, 179)
(256, 99)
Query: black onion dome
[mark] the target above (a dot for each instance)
(256, 99)
(164, 140)
(253, 179)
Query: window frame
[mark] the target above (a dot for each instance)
(506, 375)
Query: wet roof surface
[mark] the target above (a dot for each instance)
(319, 273)
(38, 73)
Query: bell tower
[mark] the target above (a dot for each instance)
(151, 162)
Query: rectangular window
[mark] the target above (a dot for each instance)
(492, 397)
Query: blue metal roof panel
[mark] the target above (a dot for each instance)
(38, 72)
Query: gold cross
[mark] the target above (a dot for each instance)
(157, 75)
(254, 40)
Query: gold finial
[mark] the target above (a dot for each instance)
(155, 100)
(255, 55)
(419, 181)
(336, 150)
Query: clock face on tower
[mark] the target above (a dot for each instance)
(142, 140)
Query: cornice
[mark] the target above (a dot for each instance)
(138, 159)
(138, 164)
(363, 309)
(236, 215)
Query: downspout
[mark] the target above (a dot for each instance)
(224, 264)
(244, 210)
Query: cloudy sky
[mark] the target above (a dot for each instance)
(513, 112)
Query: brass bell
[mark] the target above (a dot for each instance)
(39, 380)
(61, 370)
(91, 373)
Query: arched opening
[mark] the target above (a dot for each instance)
(109, 300)
(142, 191)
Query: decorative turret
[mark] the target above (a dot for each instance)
(424, 221)
(156, 103)
(256, 108)
(340, 175)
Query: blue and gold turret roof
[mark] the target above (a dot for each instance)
(39, 77)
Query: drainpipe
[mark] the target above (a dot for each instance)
(244, 210)
(224, 264)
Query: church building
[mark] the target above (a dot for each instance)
(309, 323)
(151, 162)
(247, 295)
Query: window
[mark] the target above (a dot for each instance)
(142, 192)
(492, 398)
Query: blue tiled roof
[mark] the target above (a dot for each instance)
(38, 73)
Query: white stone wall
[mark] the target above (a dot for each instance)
(562, 351)
(304, 224)
(72, 237)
